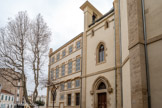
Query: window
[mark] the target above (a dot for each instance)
(62, 97)
(101, 86)
(77, 98)
(106, 24)
(9, 98)
(17, 95)
(58, 56)
(101, 53)
(63, 53)
(63, 70)
(78, 45)
(94, 16)
(53, 59)
(2, 97)
(69, 85)
(57, 72)
(70, 67)
(52, 72)
(70, 49)
(69, 99)
(77, 83)
(77, 64)
(62, 86)
(6, 98)
(92, 32)
(12, 99)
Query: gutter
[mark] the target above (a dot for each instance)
(146, 55)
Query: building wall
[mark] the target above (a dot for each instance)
(76, 53)
(101, 35)
(125, 56)
(17, 91)
(96, 34)
(153, 14)
(7, 103)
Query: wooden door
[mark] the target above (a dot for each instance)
(102, 100)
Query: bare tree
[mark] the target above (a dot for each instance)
(13, 46)
(23, 41)
(38, 47)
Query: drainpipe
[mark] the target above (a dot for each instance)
(120, 56)
(146, 55)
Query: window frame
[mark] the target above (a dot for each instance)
(77, 82)
(77, 102)
(63, 65)
(79, 44)
(64, 53)
(57, 73)
(97, 53)
(76, 65)
(2, 96)
(52, 74)
(53, 60)
(58, 57)
(71, 46)
(69, 102)
(70, 68)
(101, 55)
(6, 97)
(69, 82)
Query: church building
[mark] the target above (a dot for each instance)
(114, 63)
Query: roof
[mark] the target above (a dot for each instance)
(6, 92)
(108, 13)
(67, 43)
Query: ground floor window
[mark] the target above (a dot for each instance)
(69, 100)
(77, 98)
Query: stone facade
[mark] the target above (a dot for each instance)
(7, 99)
(65, 73)
(121, 56)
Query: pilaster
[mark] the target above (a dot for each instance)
(137, 55)
(117, 55)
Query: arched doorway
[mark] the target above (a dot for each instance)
(102, 96)
(101, 90)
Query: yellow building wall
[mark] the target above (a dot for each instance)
(95, 70)
(125, 56)
(90, 80)
(75, 53)
(153, 14)
(100, 35)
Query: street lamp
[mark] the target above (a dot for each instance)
(53, 92)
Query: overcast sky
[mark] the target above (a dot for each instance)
(64, 17)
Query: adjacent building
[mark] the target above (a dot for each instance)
(14, 89)
(120, 59)
(65, 73)
(7, 99)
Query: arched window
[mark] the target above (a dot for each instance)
(101, 53)
(101, 86)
